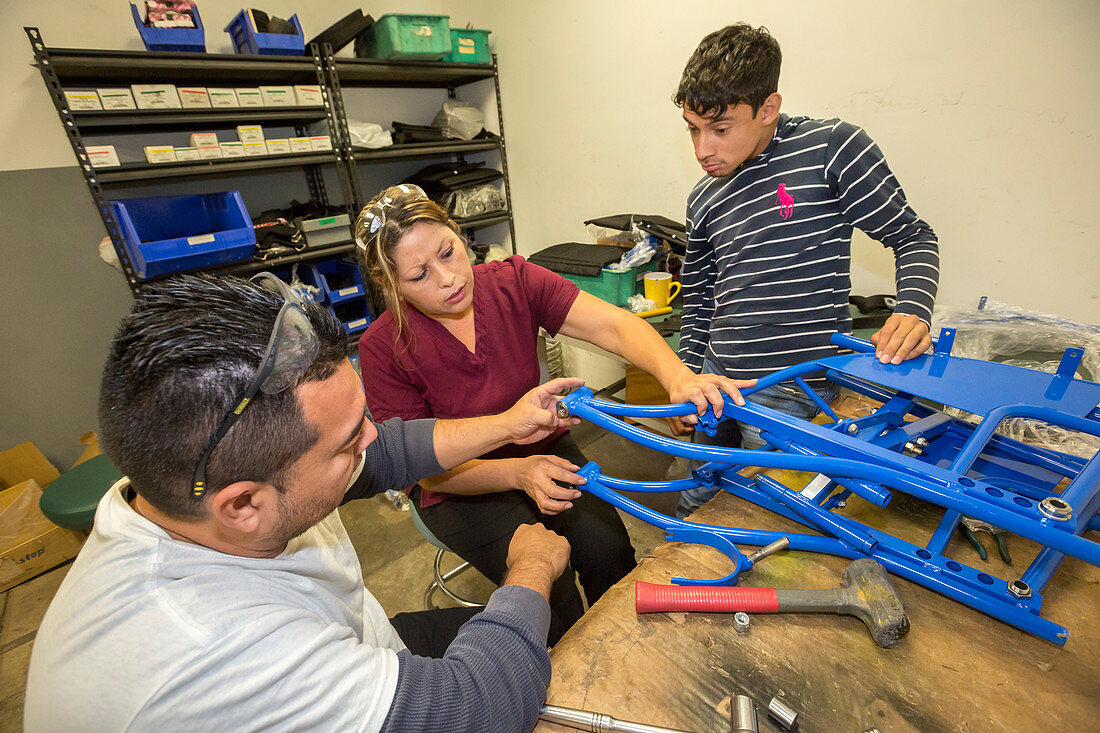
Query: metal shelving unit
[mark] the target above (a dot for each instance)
(63, 68)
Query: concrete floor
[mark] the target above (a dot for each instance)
(396, 560)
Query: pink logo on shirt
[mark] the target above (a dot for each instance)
(785, 201)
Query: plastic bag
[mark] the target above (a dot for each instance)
(475, 201)
(1003, 333)
(640, 254)
(15, 514)
(363, 134)
(459, 120)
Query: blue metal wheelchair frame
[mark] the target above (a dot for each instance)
(963, 468)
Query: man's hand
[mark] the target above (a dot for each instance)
(536, 557)
(537, 476)
(705, 390)
(535, 415)
(901, 337)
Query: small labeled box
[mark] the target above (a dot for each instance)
(222, 97)
(80, 101)
(250, 133)
(160, 153)
(155, 96)
(202, 139)
(249, 97)
(320, 142)
(277, 96)
(209, 152)
(187, 153)
(194, 97)
(116, 98)
(308, 96)
(232, 150)
(102, 156)
(276, 147)
(255, 148)
(300, 145)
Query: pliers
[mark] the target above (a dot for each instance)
(972, 526)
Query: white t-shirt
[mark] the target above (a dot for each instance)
(151, 633)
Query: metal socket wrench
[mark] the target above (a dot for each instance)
(782, 714)
(743, 714)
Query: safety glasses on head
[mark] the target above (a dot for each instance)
(374, 216)
(291, 349)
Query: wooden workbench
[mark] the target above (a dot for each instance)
(957, 670)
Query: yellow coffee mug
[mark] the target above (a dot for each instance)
(660, 288)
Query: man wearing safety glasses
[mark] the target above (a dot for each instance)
(219, 589)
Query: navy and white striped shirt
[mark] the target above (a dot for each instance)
(766, 275)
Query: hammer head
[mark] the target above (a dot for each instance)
(870, 597)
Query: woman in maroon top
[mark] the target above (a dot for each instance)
(460, 341)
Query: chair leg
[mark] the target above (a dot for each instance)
(440, 582)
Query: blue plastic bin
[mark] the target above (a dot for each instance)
(191, 40)
(470, 46)
(166, 234)
(247, 40)
(340, 280)
(394, 36)
(352, 314)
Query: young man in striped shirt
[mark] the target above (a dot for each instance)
(766, 276)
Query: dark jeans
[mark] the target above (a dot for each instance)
(429, 633)
(479, 528)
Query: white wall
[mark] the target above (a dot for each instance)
(986, 111)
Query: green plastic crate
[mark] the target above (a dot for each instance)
(395, 36)
(614, 287)
(470, 46)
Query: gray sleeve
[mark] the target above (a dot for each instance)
(492, 678)
(402, 454)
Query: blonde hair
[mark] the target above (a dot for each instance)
(400, 210)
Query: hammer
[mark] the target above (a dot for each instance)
(866, 594)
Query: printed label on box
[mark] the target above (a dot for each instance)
(357, 324)
(222, 97)
(325, 222)
(250, 133)
(424, 31)
(250, 98)
(209, 151)
(156, 96)
(200, 239)
(203, 139)
(160, 154)
(308, 96)
(466, 45)
(300, 145)
(116, 98)
(194, 97)
(278, 96)
(187, 153)
(254, 148)
(102, 156)
(321, 142)
(79, 101)
(232, 150)
(353, 290)
(274, 147)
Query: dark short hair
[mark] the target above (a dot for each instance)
(736, 65)
(183, 357)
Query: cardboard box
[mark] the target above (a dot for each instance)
(254, 148)
(249, 97)
(300, 145)
(29, 543)
(160, 153)
(156, 96)
(278, 96)
(250, 133)
(192, 97)
(83, 100)
(308, 96)
(320, 142)
(187, 153)
(203, 139)
(208, 152)
(102, 156)
(232, 150)
(116, 98)
(222, 97)
(278, 146)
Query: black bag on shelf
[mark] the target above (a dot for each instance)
(276, 233)
(576, 258)
(343, 31)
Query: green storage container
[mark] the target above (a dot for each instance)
(393, 36)
(470, 46)
(614, 287)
